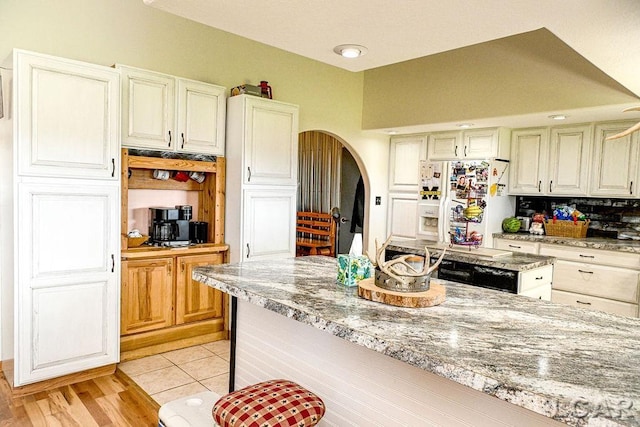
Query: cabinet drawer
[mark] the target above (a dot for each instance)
(517, 246)
(534, 278)
(592, 256)
(596, 280)
(542, 292)
(595, 303)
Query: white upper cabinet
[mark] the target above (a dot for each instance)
(405, 153)
(615, 162)
(269, 140)
(163, 112)
(477, 144)
(529, 149)
(569, 160)
(67, 117)
(201, 117)
(262, 178)
(444, 145)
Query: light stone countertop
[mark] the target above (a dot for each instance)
(576, 366)
(632, 246)
(515, 261)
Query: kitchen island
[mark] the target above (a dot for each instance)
(480, 358)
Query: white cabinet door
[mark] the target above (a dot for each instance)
(569, 157)
(148, 109)
(270, 142)
(201, 117)
(444, 146)
(529, 148)
(615, 162)
(67, 292)
(405, 153)
(402, 217)
(269, 224)
(67, 117)
(480, 144)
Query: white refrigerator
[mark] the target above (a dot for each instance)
(464, 202)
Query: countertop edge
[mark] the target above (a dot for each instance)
(558, 410)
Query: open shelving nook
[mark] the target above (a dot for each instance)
(162, 308)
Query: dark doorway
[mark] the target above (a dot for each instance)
(349, 176)
(328, 177)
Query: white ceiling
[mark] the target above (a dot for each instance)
(605, 32)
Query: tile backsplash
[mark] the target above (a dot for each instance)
(617, 218)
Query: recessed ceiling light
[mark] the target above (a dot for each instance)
(465, 125)
(558, 116)
(350, 50)
(392, 132)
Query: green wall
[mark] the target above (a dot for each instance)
(128, 32)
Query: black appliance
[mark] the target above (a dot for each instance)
(198, 231)
(170, 226)
(471, 274)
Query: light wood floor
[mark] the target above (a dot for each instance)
(112, 400)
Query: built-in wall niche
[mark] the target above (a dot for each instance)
(142, 190)
(608, 217)
(141, 200)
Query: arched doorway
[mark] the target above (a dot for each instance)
(330, 181)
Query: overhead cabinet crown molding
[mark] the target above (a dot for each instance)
(168, 113)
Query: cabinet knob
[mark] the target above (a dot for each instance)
(539, 187)
(249, 171)
(455, 151)
(585, 271)
(113, 263)
(169, 139)
(113, 167)
(550, 184)
(583, 303)
(465, 151)
(248, 250)
(182, 134)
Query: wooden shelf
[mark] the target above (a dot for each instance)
(157, 252)
(141, 162)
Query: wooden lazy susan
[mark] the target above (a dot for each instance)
(436, 294)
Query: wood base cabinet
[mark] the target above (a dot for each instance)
(156, 294)
(161, 303)
(147, 295)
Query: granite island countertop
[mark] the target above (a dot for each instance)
(632, 246)
(511, 261)
(577, 366)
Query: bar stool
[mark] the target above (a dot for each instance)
(273, 403)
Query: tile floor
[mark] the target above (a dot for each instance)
(179, 373)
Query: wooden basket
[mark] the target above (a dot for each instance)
(566, 228)
(134, 242)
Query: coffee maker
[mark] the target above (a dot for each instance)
(170, 226)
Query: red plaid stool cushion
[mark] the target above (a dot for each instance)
(274, 403)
